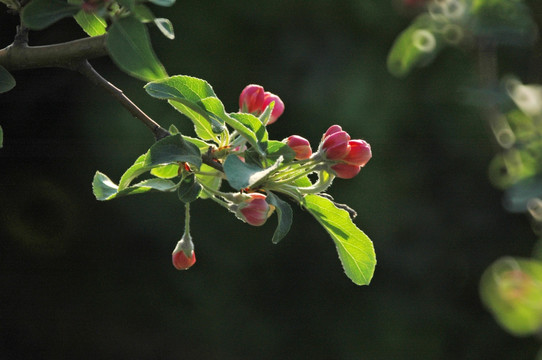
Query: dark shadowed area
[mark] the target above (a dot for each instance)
(86, 279)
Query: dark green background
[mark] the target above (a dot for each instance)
(93, 280)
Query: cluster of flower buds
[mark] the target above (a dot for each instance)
(183, 256)
(347, 156)
(337, 155)
(344, 157)
(254, 100)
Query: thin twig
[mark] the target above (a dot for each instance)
(87, 70)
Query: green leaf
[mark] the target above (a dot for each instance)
(166, 27)
(242, 175)
(275, 149)
(91, 23)
(510, 289)
(202, 125)
(105, 189)
(355, 249)
(196, 99)
(163, 2)
(39, 14)
(256, 127)
(166, 171)
(202, 145)
(134, 171)
(189, 189)
(102, 187)
(173, 149)
(7, 82)
(284, 214)
(210, 181)
(130, 48)
(173, 129)
(415, 46)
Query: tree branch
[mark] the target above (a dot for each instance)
(87, 70)
(74, 55)
(19, 56)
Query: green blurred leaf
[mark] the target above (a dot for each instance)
(166, 27)
(129, 4)
(91, 23)
(503, 22)
(143, 13)
(242, 175)
(173, 149)
(7, 82)
(189, 189)
(511, 288)
(415, 46)
(284, 214)
(39, 14)
(166, 171)
(129, 45)
(355, 249)
(163, 2)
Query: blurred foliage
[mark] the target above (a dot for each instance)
(424, 199)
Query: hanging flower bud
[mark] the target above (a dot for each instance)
(251, 100)
(278, 108)
(359, 154)
(336, 145)
(300, 145)
(183, 256)
(254, 210)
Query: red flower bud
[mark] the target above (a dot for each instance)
(251, 100)
(278, 109)
(336, 145)
(254, 210)
(359, 154)
(345, 171)
(301, 146)
(183, 256)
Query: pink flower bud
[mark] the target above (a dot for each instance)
(183, 256)
(301, 146)
(336, 145)
(345, 171)
(359, 154)
(254, 210)
(332, 130)
(278, 109)
(251, 100)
